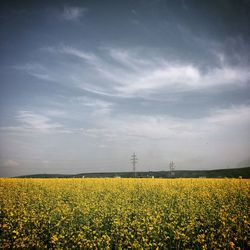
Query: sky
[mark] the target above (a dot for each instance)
(85, 84)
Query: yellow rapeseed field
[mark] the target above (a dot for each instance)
(124, 213)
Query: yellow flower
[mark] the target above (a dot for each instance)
(231, 244)
(54, 239)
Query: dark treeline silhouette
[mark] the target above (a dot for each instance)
(219, 173)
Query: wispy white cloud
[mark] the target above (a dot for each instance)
(236, 115)
(94, 107)
(67, 50)
(130, 73)
(162, 127)
(10, 163)
(33, 121)
(71, 13)
(36, 70)
(156, 74)
(129, 58)
(56, 113)
(30, 122)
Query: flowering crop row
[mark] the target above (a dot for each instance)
(124, 213)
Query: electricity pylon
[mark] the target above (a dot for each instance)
(134, 160)
(172, 168)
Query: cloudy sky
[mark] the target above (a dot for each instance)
(84, 84)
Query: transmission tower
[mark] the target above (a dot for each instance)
(134, 160)
(172, 168)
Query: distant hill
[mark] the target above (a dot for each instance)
(218, 173)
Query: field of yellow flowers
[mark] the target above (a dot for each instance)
(124, 213)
